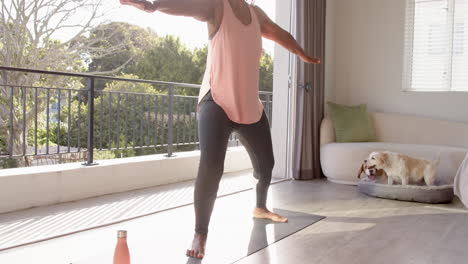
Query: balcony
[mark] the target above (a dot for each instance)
(85, 153)
(89, 152)
(150, 135)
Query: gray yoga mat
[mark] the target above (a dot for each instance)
(297, 221)
(262, 234)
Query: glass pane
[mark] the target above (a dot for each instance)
(460, 47)
(430, 62)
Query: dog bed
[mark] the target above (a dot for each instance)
(439, 193)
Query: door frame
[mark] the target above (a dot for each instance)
(284, 96)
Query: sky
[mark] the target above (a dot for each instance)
(191, 32)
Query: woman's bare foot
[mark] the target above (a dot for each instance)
(265, 214)
(198, 246)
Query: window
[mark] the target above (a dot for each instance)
(436, 45)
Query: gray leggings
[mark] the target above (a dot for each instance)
(214, 129)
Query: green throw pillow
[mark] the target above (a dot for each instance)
(352, 123)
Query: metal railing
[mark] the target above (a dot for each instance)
(164, 116)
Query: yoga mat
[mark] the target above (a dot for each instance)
(240, 237)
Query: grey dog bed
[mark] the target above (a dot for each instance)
(441, 193)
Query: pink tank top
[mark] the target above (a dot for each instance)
(232, 68)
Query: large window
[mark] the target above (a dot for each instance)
(436, 45)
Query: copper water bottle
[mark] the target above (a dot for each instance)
(121, 254)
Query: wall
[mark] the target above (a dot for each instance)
(329, 59)
(365, 42)
(45, 185)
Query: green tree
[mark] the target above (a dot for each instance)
(123, 44)
(130, 114)
(266, 72)
(27, 40)
(168, 60)
(199, 59)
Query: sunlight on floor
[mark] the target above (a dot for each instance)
(388, 212)
(325, 227)
(58, 220)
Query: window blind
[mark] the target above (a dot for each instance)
(436, 45)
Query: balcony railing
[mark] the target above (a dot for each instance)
(40, 119)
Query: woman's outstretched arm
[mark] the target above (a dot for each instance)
(272, 31)
(202, 10)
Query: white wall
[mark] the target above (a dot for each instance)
(330, 59)
(365, 41)
(23, 188)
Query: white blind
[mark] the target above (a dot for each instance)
(436, 45)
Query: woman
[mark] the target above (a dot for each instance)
(228, 99)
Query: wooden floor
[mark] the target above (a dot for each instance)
(358, 229)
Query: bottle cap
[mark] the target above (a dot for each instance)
(121, 234)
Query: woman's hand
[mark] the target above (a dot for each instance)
(202, 10)
(272, 31)
(311, 60)
(141, 4)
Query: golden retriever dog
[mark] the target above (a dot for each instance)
(372, 173)
(404, 169)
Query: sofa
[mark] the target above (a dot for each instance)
(410, 135)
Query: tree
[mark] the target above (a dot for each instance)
(28, 32)
(168, 60)
(128, 41)
(28, 39)
(130, 114)
(118, 98)
(266, 72)
(199, 59)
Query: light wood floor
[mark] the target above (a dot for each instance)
(358, 229)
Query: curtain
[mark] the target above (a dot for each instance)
(310, 21)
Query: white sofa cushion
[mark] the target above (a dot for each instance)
(341, 161)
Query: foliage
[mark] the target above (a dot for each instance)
(199, 59)
(128, 42)
(8, 163)
(126, 113)
(28, 31)
(266, 73)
